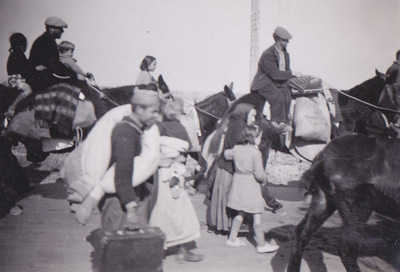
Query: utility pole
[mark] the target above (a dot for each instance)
(255, 37)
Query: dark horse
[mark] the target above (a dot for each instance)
(356, 116)
(210, 110)
(215, 105)
(356, 175)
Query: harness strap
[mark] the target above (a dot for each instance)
(201, 110)
(100, 93)
(361, 101)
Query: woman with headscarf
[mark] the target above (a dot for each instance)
(18, 70)
(219, 215)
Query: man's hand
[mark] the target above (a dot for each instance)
(40, 68)
(134, 219)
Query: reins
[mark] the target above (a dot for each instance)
(101, 94)
(201, 110)
(359, 100)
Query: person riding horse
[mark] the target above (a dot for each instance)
(45, 52)
(271, 79)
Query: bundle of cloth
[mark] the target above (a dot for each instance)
(87, 170)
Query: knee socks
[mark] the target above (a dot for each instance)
(259, 233)
(237, 222)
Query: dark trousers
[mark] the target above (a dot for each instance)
(279, 99)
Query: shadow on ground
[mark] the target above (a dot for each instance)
(380, 240)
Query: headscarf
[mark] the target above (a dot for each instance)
(231, 124)
(237, 123)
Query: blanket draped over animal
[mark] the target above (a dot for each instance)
(354, 174)
(55, 108)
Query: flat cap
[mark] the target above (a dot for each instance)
(55, 21)
(282, 33)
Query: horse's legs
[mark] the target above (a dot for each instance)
(354, 212)
(320, 210)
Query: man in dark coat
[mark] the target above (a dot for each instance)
(393, 72)
(126, 145)
(44, 53)
(272, 76)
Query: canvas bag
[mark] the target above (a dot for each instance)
(312, 119)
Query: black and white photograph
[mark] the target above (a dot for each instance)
(199, 135)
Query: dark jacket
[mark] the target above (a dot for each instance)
(44, 51)
(268, 70)
(126, 144)
(17, 63)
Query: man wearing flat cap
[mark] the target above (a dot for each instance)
(126, 145)
(271, 79)
(45, 53)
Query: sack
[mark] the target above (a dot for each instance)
(141, 250)
(312, 119)
(23, 124)
(84, 115)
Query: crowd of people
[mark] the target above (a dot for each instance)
(239, 187)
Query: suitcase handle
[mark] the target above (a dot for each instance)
(130, 230)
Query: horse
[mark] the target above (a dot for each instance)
(356, 114)
(356, 175)
(113, 97)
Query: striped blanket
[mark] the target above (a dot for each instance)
(55, 108)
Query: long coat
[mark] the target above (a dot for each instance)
(268, 72)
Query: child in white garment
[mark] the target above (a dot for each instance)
(245, 194)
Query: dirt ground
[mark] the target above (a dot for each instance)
(46, 236)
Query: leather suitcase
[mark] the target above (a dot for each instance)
(139, 250)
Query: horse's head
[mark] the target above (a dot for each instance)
(368, 91)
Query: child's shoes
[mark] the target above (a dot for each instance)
(235, 243)
(266, 248)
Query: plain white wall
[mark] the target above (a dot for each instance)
(202, 45)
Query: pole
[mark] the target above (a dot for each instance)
(255, 37)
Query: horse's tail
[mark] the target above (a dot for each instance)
(309, 179)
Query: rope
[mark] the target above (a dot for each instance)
(201, 110)
(101, 94)
(359, 100)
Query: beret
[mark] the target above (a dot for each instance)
(55, 21)
(145, 97)
(282, 33)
